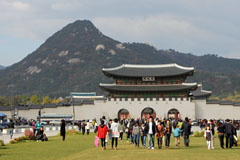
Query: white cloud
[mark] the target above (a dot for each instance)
(171, 31)
(153, 29)
(19, 5)
(65, 6)
(232, 54)
(199, 27)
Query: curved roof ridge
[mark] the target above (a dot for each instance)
(114, 84)
(202, 90)
(206, 91)
(148, 66)
(189, 84)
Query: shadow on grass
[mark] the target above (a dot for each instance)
(231, 149)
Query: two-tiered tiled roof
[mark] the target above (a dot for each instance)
(163, 70)
(153, 78)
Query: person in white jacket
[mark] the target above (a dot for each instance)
(88, 127)
(115, 128)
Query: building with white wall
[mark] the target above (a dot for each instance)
(140, 91)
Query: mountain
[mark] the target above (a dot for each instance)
(72, 59)
(2, 67)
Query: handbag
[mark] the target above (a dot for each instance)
(96, 142)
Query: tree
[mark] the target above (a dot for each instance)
(16, 100)
(24, 100)
(46, 100)
(34, 99)
(54, 100)
(4, 101)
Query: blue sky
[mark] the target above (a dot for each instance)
(191, 26)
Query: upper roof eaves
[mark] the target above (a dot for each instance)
(160, 70)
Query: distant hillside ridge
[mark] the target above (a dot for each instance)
(2, 67)
(71, 60)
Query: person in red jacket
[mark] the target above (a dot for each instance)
(102, 133)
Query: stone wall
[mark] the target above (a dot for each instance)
(195, 109)
(111, 108)
(216, 111)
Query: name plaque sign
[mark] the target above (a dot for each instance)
(148, 79)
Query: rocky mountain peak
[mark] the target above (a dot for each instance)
(72, 59)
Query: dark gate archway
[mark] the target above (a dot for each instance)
(147, 112)
(123, 114)
(173, 113)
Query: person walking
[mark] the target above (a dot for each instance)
(176, 134)
(88, 127)
(83, 127)
(186, 127)
(79, 125)
(160, 134)
(209, 137)
(132, 122)
(143, 134)
(212, 129)
(115, 128)
(221, 131)
(11, 128)
(122, 129)
(229, 133)
(102, 133)
(34, 127)
(168, 132)
(93, 124)
(234, 134)
(151, 130)
(136, 134)
(63, 129)
(109, 133)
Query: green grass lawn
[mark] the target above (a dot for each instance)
(81, 147)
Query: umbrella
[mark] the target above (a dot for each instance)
(2, 114)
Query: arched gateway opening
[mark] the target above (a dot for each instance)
(147, 112)
(123, 114)
(174, 113)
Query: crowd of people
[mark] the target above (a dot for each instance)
(139, 131)
(146, 132)
(38, 131)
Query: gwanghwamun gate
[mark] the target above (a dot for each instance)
(138, 91)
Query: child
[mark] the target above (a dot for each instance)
(102, 133)
(143, 134)
(176, 134)
(136, 134)
(208, 135)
